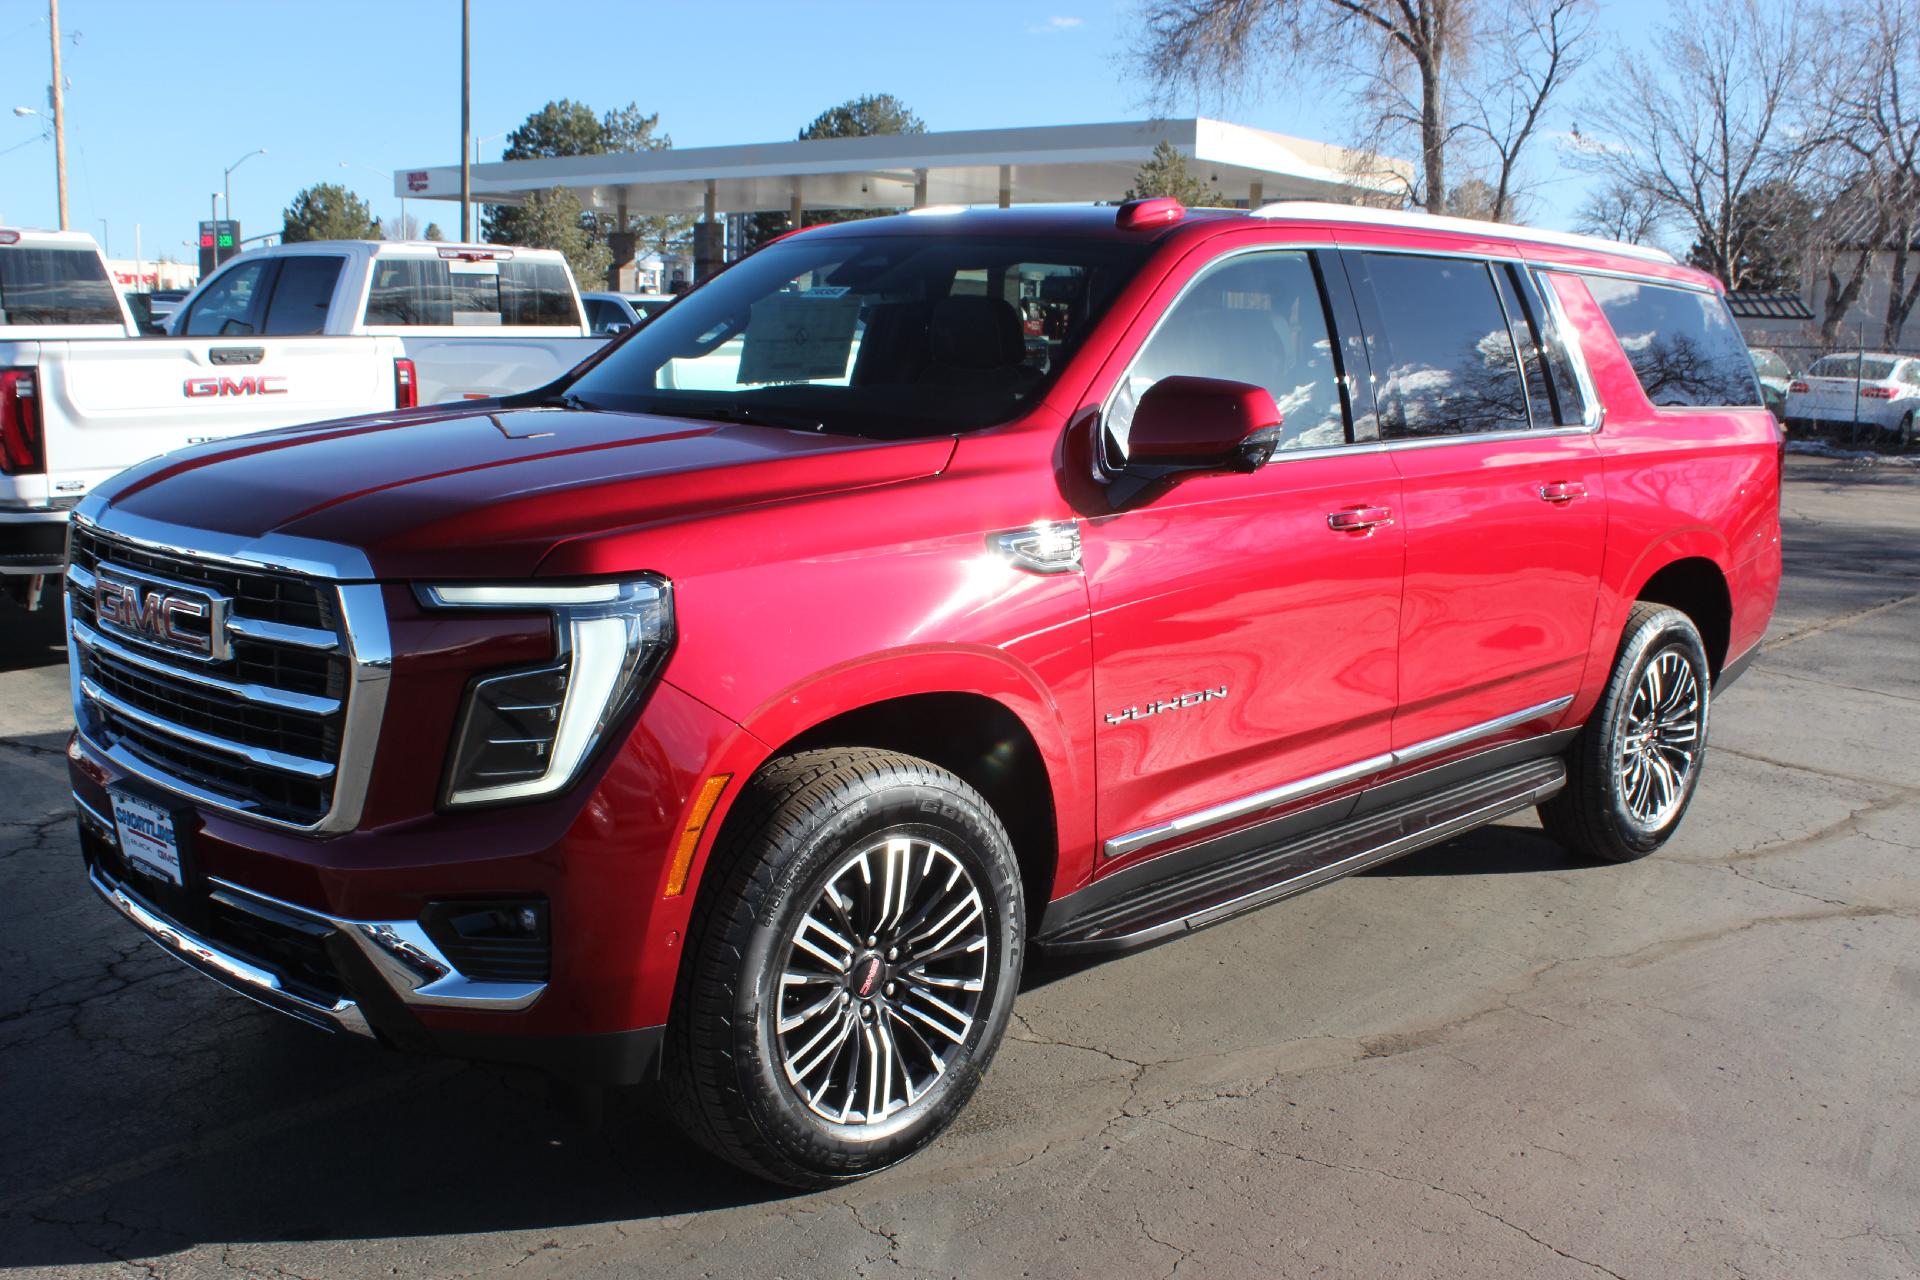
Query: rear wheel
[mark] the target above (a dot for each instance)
(851, 970)
(1632, 770)
(1903, 434)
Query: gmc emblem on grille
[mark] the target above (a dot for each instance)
(181, 619)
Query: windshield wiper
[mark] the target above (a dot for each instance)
(744, 414)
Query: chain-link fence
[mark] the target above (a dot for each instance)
(1854, 428)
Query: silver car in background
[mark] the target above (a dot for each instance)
(1879, 391)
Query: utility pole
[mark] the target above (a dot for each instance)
(466, 124)
(59, 112)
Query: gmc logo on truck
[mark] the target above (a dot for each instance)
(191, 622)
(258, 385)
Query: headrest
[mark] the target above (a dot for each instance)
(976, 333)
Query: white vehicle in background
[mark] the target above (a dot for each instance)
(611, 313)
(477, 320)
(55, 284)
(1878, 390)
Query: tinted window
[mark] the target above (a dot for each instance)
(55, 286)
(1444, 356)
(302, 294)
(535, 292)
(1259, 319)
(488, 294)
(890, 336)
(1682, 342)
(1769, 365)
(226, 308)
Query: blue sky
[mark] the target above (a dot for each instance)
(164, 95)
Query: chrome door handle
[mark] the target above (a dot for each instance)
(1359, 519)
(1562, 491)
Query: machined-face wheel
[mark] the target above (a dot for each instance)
(882, 982)
(1660, 740)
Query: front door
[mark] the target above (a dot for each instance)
(1242, 643)
(1502, 491)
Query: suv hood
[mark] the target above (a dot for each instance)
(465, 493)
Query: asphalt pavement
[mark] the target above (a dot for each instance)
(1488, 1059)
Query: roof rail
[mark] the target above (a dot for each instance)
(1320, 211)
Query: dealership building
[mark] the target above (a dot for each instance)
(1049, 164)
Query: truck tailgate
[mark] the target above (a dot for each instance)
(108, 405)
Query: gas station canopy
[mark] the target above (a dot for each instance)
(1051, 164)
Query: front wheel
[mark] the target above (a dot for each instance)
(1632, 770)
(851, 968)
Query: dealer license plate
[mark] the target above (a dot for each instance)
(147, 837)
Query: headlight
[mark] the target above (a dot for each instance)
(527, 732)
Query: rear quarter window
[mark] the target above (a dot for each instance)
(487, 294)
(1682, 343)
(55, 286)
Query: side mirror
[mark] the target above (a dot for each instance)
(1201, 425)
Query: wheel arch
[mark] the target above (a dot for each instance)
(1697, 586)
(986, 719)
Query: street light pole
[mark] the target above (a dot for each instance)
(227, 178)
(59, 112)
(466, 121)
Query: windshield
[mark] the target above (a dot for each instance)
(883, 336)
(55, 286)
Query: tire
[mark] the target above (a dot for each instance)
(768, 946)
(1618, 814)
(1903, 434)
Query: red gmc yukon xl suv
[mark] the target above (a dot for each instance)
(917, 598)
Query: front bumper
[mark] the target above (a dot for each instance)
(329, 930)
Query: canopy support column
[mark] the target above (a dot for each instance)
(919, 188)
(709, 238)
(1006, 186)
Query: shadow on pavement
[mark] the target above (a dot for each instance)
(30, 639)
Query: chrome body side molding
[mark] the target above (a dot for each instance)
(1274, 797)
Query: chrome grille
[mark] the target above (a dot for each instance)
(266, 727)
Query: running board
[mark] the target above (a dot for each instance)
(1219, 890)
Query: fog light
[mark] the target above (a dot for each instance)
(498, 941)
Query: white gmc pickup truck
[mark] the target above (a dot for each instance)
(292, 334)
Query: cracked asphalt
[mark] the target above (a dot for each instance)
(1489, 1059)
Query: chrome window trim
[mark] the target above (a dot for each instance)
(1104, 473)
(1594, 412)
(1274, 797)
(363, 624)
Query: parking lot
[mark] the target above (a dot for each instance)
(1484, 1060)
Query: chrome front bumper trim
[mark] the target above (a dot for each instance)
(228, 969)
(407, 959)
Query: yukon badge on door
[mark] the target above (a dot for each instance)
(1179, 703)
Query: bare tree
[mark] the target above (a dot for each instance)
(1620, 212)
(1406, 65)
(1707, 120)
(1866, 145)
(1535, 47)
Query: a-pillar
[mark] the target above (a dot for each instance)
(709, 239)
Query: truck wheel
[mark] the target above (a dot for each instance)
(851, 967)
(1632, 770)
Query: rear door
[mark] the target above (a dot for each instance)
(1244, 645)
(1503, 495)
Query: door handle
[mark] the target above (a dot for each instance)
(1562, 491)
(1359, 519)
(237, 355)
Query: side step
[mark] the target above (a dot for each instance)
(1216, 891)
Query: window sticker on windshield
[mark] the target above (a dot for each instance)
(825, 291)
(796, 337)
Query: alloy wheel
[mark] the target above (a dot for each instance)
(883, 979)
(1661, 742)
